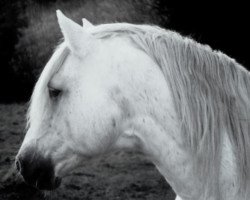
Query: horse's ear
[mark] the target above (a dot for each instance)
(86, 23)
(75, 36)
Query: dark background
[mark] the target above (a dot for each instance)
(224, 27)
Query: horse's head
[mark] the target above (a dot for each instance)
(81, 103)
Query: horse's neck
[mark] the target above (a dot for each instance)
(165, 150)
(157, 133)
(149, 122)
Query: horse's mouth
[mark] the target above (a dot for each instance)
(42, 183)
(37, 170)
(50, 185)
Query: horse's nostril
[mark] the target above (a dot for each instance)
(18, 165)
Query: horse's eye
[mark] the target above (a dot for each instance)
(54, 93)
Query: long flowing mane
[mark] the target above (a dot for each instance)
(211, 93)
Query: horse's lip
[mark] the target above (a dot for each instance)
(50, 185)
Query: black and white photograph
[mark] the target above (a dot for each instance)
(124, 100)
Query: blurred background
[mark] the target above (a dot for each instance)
(28, 34)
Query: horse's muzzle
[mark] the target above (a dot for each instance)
(37, 170)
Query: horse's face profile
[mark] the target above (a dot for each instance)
(77, 106)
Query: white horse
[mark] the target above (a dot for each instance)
(116, 86)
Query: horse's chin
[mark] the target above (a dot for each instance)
(48, 185)
(65, 167)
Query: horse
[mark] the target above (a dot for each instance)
(123, 86)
